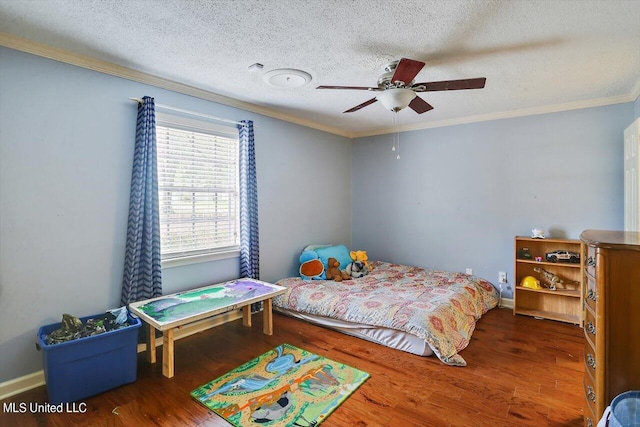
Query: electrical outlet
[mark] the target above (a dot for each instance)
(469, 271)
(502, 277)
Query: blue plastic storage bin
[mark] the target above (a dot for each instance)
(625, 410)
(88, 366)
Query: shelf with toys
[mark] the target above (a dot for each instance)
(548, 277)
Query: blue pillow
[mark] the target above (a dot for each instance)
(316, 247)
(339, 252)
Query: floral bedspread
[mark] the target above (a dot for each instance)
(438, 306)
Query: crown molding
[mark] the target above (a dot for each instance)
(14, 42)
(24, 45)
(505, 115)
(635, 92)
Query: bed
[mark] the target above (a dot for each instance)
(412, 309)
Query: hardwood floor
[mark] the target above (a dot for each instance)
(521, 372)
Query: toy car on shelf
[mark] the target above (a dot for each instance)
(563, 256)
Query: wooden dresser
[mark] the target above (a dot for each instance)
(612, 318)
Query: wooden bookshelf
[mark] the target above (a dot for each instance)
(563, 304)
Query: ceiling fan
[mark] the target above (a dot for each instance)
(398, 89)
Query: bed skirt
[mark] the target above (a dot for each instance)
(393, 338)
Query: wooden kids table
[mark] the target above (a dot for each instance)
(171, 312)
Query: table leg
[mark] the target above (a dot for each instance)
(246, 315)
(267, 316)
(151, 345)
(167, 353)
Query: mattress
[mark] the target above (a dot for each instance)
(438, 307)
(393, 338)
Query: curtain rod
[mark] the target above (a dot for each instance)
(192, 113)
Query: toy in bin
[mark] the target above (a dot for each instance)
(84, 366)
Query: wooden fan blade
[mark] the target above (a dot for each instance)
(407, 70)
(451, 85)
(419, 105)
(347, 87)
(364, 104)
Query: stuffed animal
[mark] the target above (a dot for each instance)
(362, 257)
(333, 271)
(310, 266)
(357, 269)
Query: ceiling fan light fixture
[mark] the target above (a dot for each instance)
(396, 99)
(397, 88)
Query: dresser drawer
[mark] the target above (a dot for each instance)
(590, 326)
(590, 360)
(590, 261)
(590, 419)
(590, 292)
(590, 394)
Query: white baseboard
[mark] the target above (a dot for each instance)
(506, 303)
(21, 384)
(36, 379)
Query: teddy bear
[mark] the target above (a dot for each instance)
(333, 271)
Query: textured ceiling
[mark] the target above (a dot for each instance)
(535, 54)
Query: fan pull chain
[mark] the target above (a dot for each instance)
(395, 137)
(394, 125)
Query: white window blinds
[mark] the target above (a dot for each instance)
(197, 187)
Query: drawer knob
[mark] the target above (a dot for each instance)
(591, 262)
(589, 422)
(591, 395)
(591, 295)
(591, 361)
(591, 328)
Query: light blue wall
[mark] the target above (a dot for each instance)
(637, 107)
(455, 199)
(459, 194)
(66, 150)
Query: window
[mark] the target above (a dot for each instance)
(197, 188)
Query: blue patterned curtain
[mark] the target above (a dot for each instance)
(142, 277)
(249, 244)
